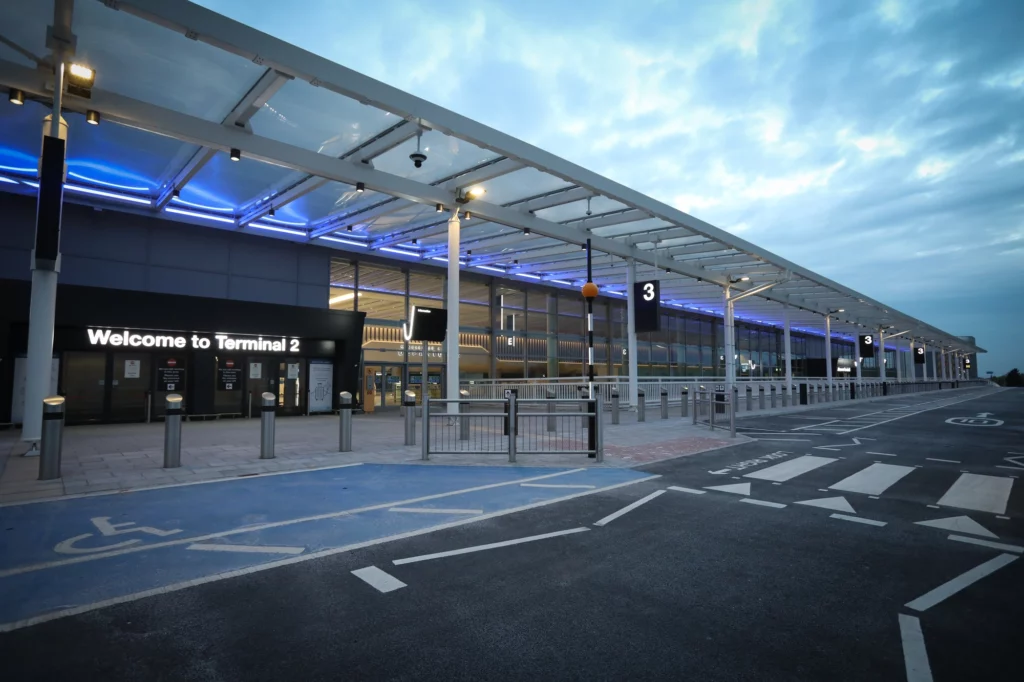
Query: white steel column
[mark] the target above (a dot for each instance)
(899, 359)
(880, 355)
(828, 352)
(788, 350)
(729, 330)
(924, 367)
(631, 330)
(43, 298)
(860, 360)
(912, 368)
(452, 337)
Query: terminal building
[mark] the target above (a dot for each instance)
(240, 215)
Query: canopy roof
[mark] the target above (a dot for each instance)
(185, 85)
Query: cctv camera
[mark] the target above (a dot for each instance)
(418, 158)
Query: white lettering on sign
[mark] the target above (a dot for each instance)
(649, 291)
(129, 339)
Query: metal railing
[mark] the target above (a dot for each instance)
(715, 408)
(513, 426)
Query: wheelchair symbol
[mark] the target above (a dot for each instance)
(108, 529)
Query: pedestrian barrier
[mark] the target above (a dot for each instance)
(711, 403)
(513, 427)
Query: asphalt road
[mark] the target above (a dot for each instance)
(698, 583)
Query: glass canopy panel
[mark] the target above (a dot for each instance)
(578, 209)
(118, 157)
(524, 183)
(327, 200)
(446, 156)
(320, 120)
(144, 61)
(381, 226)
(25, 23)
(636, 227)
(21, 137)
(226, 184)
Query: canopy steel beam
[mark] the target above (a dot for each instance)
(559, 197)
(207, 26)
(483, 173)
(261, 91)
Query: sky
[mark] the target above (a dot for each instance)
(880, 144)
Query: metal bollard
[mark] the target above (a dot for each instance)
(615, 406)
(760, 397)
(811, 394)
(750, 399)
(641, 406)
(664, 403)
(52, 438)
(267, 425)
(344, 422)
(684, 401)
(774, 393)
(172, 431)
(463, 415)
(409, 402)
(785, 396)
(698, 397)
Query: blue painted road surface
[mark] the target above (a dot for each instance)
(68, 554)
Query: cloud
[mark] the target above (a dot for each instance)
(879, 143)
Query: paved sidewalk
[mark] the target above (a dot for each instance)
(119, 457)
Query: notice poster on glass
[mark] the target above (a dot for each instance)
(131, 369)
(293, 370)
(255, 370)
(321, 385)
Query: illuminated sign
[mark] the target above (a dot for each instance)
(646, 306)
(135, 338)
(867, 345)
(426, 324)
(919, 355)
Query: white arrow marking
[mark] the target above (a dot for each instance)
(720, 471)
(737, 488)
(856, 441)
(960, 524)
(838, 503)
(1015, 460)
(251, 549)
(985, 414)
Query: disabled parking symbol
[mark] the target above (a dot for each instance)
(107, 529)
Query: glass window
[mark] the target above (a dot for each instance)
(537, 314)
(427, 289)
(382, 292)
(570, 315)
(511, 305)
(343, 283)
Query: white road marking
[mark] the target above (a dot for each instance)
(883, 454)
(962, 581)
(378, 579)
(915, 656)
(628, 508)
(933, 506)
(686, 490)
(735, 488)
(85, 608)
(785, 440)
(985, 543)
(1004, 518)
(857, 519)
(287, 522)
(834, 503)
(551, 485)
(426, 510)
(959, 524)
(792, 468)
(250, 549)
(978, 492)
(948, 461)
(763, 503)
(481, 548)
(873, 480)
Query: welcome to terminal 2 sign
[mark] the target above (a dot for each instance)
(137, 338)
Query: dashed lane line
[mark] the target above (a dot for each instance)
(490, 545)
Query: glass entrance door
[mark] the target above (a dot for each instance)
(383, 386)
(129, 387)
(435, 381)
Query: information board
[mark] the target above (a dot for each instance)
(647, 306)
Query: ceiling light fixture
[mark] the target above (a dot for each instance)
(80, 80)
(360, 187)
(439, 208)
(92, 117)
(236, 154)
(16, 97)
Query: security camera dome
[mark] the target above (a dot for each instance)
(418, 158)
